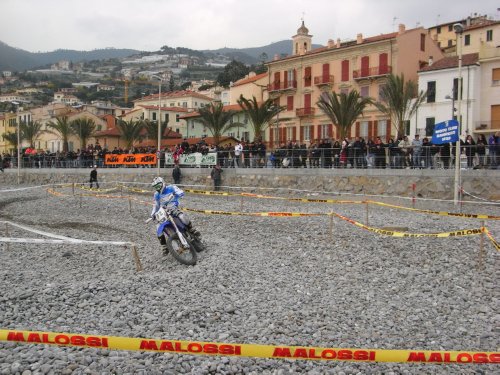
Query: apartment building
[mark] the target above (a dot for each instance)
(477, 29)
(189, 100)
(297, 82)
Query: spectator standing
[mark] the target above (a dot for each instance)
(176, 174)
(470, 150)
(416, 146)
(481, 149)
(216, 175)
(238, 149)
(93, 177)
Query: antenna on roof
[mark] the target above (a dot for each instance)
(303, 14)
(437, 19)
(394, 23)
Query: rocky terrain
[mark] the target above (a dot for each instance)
(263, 280)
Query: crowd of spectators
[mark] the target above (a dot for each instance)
(347, 153)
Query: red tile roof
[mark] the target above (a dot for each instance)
(484, 23)
(452, 62)
(230, 107)
(176, 109)
(174, 94)
(248, 80)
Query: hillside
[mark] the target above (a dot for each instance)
(17, 59)
(283, 47)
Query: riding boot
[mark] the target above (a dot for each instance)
(193, 231)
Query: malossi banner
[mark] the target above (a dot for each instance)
(130, 159)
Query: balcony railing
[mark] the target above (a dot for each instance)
(372, 72)
(304, 112)
(323, 80)
(281, 86)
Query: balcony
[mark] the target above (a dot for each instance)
(372, 72)
(305, 112)
(326, 80)
(281, 86)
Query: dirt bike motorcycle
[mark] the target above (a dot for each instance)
(181, 243)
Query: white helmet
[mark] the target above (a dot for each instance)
(158, 184)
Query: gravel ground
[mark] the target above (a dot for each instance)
(267, 280)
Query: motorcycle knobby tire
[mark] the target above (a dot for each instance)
(175, 248)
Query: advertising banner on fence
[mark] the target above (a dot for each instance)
(130, 159)
(188, 160)
(445, 132)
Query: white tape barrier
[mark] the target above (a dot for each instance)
(61, 239)
(38, 240)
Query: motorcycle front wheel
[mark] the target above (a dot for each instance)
(182, 254)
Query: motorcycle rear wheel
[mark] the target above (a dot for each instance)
(183, 255)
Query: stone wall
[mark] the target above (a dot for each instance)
(428, 183)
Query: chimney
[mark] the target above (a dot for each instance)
(338, 42)
(401, 28)
(431, 61)
(330, 43)
(359, 38)
(276, 57)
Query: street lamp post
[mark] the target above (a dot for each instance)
(158, 152)
(18, 131)
(459, 29)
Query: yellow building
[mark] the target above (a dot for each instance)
(8, 124)
(297, 81)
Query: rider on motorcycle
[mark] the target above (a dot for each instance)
(169, 196)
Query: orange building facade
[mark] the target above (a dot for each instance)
(296, 82)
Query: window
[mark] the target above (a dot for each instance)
(172, 104)
(307, 76)
(307, 133)
(450, 43)
(365, 91)
(467, 40)
(489, 35)
(245, 119)
(154, 116)
(455, 89)
(382, 129)
(289, 103)
(167, 118)
(363, 129)
(438, 29)
(422, 42)
(431, 91)
(184, 104)
(177, 118)
(429, 126)
(289, 133)
(324, 131)
(177, 130)
(345, 70)
(381, 96)
(495, 77)
(450, 27)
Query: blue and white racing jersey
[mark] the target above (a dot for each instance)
(169, 196)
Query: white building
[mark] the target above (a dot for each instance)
(440, 80)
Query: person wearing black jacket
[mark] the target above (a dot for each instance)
(93, 177)
(176, 174)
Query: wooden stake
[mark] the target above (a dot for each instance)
(481, 246)
(366, 221)
(80, 200)
(129, 205)
(73, 188)
(137, 260)
(241, 204)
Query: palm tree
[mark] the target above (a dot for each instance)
(400, 101)
(131, 131)
(343, 109)
(216, 120)
(30, 131)
(260, 115)
(11, 138)
(152, 129)
(84, 128)
(61, 127)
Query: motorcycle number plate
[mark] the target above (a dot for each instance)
(161, 215)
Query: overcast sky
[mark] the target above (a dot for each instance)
(46, 25)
